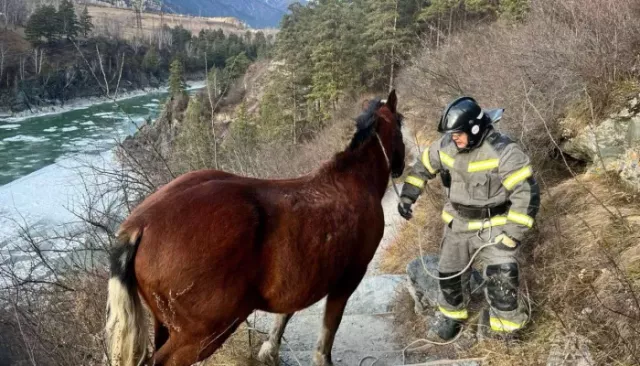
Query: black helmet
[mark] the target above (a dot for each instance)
(465, 115)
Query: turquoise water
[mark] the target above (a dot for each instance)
(34, 143)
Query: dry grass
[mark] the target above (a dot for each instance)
(575, 59)
(565, 52)
(239, 350)
(582, 267)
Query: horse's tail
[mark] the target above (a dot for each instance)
(126, 329)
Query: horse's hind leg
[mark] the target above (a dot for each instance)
(270, 350)
(185, 349)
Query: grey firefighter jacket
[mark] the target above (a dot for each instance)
(489, 187)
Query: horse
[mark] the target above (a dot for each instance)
(206, 250)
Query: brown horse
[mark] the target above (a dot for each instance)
(209, 248)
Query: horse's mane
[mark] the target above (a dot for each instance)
(365, 125)
(365, 129)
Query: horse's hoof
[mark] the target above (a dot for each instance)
(268, 354)
(320, 359)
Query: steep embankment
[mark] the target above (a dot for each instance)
(579, 124)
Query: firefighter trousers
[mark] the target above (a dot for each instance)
(507, 312)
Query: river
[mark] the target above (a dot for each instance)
(44, 162)
(29, 145)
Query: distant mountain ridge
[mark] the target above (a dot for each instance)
(255, 13)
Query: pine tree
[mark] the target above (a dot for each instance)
(243, 129)
(86, 26)
(236, 66)
(151, 61)
(385, 40)
(448, 16)
(44, 22)
(68, 19)
(194, 143)
(34, 30)
(514, 10)
(177, 85)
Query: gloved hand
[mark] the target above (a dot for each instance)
(505, 242)
(404, 207)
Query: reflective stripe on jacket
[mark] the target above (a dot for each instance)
(494, 173)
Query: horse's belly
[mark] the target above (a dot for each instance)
(294, 298)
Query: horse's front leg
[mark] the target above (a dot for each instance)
(270, 350)
(332, 318)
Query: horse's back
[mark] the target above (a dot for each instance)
(266, 235)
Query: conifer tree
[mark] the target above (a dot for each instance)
(177, 85)
(67, 19)
(44, 22)
(86, 26)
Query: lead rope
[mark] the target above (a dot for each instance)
(488, 243)
(386, 158)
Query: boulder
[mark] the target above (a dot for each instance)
(607, 140)
(611, 146)
(629, 168)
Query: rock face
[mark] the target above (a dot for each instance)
(611, 146)
(424, 289)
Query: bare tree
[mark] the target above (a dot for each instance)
(13, 12)
(5, 9)
(3, 53)
(22, 65)
(38, 59)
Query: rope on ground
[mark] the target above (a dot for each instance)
(375, 360)
(448, 362)
(293, 353)
(404, 350)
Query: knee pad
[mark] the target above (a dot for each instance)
(451, 289)
(502, 286)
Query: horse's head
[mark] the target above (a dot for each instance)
(390, 126)
(380, 117)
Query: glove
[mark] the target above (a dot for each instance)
(505, 242)
(404, 208)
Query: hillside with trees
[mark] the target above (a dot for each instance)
(567, 74)
(62, 57)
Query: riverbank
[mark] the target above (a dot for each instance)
(84, 103)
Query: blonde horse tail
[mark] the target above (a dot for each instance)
(126, 328)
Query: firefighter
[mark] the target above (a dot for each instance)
(491, 198)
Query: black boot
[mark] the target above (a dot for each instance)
(445, 328)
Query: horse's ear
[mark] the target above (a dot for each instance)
(392, 101)
(365, 105)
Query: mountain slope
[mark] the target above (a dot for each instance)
(256, 13)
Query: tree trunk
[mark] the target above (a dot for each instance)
(5, 13)
(450, 22)
(393, 46)
(295, 111)
(213, 127)
(2, 54)
(21, 68)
